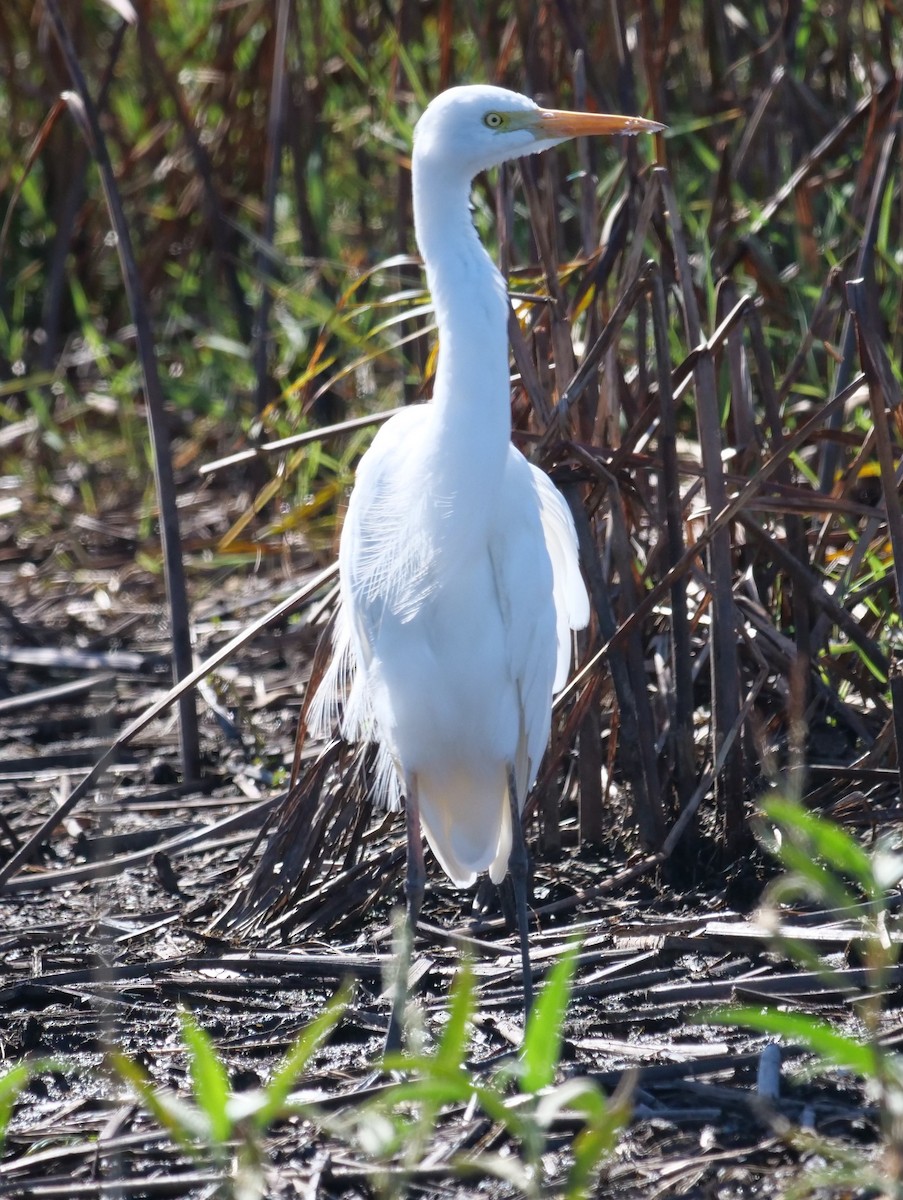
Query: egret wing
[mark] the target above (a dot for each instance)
(568, 588)
(524, 586)
(380, 565)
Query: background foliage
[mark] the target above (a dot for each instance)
(262, 156)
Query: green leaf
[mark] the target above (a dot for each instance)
(820, 883)
(437, 1090)
(308, 1041)
(11, 1084)
(597, 1139)
(513, 1117)
(187, 1124)
(542, 1038)
(209, 1077)
(580, 1096)
(452, 1048)
(603, 1119)
(833, 1048)
(816, 835)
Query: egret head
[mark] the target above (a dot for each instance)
(468, 129)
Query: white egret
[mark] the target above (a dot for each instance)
(460, 581)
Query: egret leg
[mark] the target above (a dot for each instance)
(414, 885)
(517, 869)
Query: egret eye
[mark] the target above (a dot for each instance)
(494, 120)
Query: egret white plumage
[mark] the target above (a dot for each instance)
(460, 581)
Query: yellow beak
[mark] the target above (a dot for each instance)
(552, 123)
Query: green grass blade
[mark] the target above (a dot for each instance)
(833, 1048)
(209, 1077)
(810, 878)
(11, 1084)
(817, 836)
(453, 1044)
(308, 1041)
(186, 1124)
(605, 1118)
(542, 1038)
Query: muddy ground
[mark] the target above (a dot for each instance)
(118, 921)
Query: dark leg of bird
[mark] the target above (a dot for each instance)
(517, 869)
(414, 884)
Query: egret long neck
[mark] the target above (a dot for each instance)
(471, 393)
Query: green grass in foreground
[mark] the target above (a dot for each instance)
(395, 1131)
